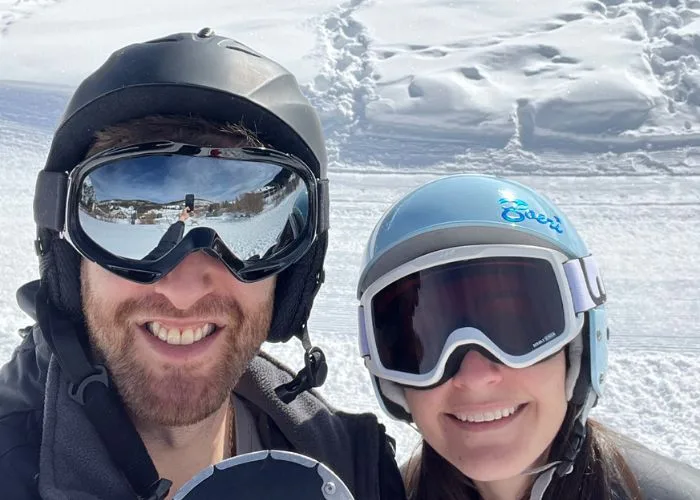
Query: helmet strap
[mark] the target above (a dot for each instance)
(312, 375)
(573, 446)
(565, 465)
(542, 483)
(90, 387)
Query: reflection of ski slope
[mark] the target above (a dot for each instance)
(245, 236)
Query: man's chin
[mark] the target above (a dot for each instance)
(174, 401)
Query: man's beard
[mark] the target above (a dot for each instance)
(173, 395)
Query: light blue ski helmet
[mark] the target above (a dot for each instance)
(468, 209)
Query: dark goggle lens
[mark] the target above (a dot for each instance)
(516, 302)
(258, 209)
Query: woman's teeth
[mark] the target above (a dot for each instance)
(489, 416)
(176, 336)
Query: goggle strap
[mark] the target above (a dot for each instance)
(50, 200)
(323, 209)
(585, 283)
(364, 344)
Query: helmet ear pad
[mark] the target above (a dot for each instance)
(579, 387)
(59, 267)
(295, 291)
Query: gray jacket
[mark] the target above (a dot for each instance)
(49, 449)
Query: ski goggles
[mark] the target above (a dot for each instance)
(516, 304)
(139, 210)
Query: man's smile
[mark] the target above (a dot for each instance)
(180, 335)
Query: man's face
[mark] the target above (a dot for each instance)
(176, 348)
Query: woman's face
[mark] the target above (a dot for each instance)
(469, 419)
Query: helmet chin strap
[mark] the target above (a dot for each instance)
(565, 466)
(312, 375)
(561, 468)
(91, 387)
(315, 368)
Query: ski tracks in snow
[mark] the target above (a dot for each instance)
(671, 33)
(668, 30)
(345, 83)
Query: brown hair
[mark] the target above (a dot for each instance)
(600, 471)
(188, 129)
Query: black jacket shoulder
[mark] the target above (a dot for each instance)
(22, 382)
(660, 477)
(356, 445)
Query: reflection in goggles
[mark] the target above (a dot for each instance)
(131, 207)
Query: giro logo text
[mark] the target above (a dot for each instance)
(518, 211)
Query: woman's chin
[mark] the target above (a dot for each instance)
(494, 466)
(486, 473)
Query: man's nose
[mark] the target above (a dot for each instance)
(191, 280)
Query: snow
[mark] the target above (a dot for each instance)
(593, 102)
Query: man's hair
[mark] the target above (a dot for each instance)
(193, 130)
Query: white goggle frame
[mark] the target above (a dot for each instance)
(580, 285)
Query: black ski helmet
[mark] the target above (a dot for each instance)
(184, 74)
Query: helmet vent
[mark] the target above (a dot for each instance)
(205, 33)
(162, 40)
(242, 48)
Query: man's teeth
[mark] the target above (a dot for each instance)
(488, 416)
(175, 336)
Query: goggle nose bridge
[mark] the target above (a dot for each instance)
(455, 359)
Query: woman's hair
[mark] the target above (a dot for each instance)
(599, 470)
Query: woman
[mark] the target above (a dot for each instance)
(483, 321)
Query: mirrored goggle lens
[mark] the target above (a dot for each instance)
(131, 207)
(515, 302)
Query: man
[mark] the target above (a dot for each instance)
(139, 373)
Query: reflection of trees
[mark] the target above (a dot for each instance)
(254, 202)
(87, 194)
(246, 205)
(131, 211)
